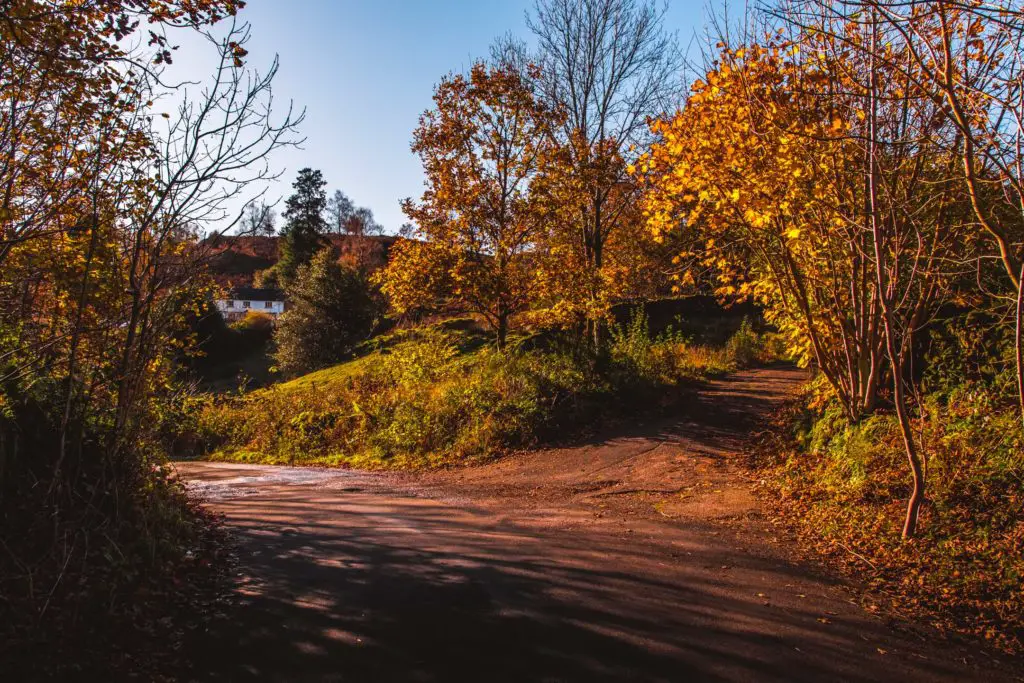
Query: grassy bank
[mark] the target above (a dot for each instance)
(432, 396)
(844, 487)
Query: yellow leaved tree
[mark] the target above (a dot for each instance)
(803, 180)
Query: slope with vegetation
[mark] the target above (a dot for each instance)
(435, 395)
(842, 484)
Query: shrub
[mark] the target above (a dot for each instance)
(773, 348)
(256, 323)
(670, 357)
(76, 563)
(267, 279)
(745, 346)
(331, 309)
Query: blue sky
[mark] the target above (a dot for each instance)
(365, 71)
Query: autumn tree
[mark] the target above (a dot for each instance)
(418, 277)
(258, 219)
(345, 218)
(102, 201)
(303, 234)
(826, 193)
(476, 223)
(339, 211)
(580, 283)
(970, 58)
(608, 65)
(67, 98)
(359, 230)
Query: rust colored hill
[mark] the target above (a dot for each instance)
(235, 259)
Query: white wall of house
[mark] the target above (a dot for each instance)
(239, 307)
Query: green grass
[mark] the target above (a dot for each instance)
(329, 376)
(437, 395)
(420, 401)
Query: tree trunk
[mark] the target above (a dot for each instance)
(502, 331)
(598, 257)
(1019, 341)
(76, 338)
(882, 282)
(914, 458)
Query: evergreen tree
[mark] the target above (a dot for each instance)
(304, 232)
(331, 308)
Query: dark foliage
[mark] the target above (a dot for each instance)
(304, 232)
(331, 308)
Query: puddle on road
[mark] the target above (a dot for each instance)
(238, 487)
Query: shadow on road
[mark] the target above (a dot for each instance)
(357, 587)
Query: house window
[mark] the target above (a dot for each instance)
(268, 304)
(246, 304)
(231, 304)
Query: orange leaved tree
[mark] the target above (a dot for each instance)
(476, 223)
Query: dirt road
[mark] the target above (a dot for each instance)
(638, 556)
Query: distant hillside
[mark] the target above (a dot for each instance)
(237, 258)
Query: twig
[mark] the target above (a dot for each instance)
(858, 555)
(60, 576)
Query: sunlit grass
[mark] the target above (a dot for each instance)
(435, 396)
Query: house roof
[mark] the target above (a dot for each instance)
(256, 293)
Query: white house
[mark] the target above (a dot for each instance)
(241, 300)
